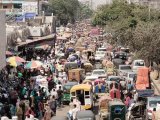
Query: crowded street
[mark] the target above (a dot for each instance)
(81, 64)
(83, 73)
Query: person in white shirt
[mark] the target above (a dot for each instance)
(77, 103)
(54, 93)
(58, 85)
(74, 112)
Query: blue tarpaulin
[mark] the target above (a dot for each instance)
(30, 15)
(19, 19)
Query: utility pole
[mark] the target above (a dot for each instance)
(38, 5)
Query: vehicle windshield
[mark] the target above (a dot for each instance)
(154, 103)
(85, 119)
(139, 63)
(98, 72)
(132, 75)
(100, 53)
(67, 87)
(115, 79)
(102, 49)
(125, 67)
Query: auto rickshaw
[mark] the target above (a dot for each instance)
(103, 106)
(66, 88)
(116, 110)
(85, 115)
(76, 75)
(88, 67)
(85, 95)
(137, 111)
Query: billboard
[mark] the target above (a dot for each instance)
(30, 7)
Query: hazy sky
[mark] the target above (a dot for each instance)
(96, 3)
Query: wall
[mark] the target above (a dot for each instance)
(2, 40)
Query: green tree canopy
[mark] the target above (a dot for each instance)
(65, 10)
(132, 26)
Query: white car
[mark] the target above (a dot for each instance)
(100, 73)
(137, 64)
(100, 55)
(102, 49)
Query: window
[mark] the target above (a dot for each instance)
(86, 92)
(18, 6)
(5, 6)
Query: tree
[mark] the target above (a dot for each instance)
(65, 10)
(131, 26)
(84, 12)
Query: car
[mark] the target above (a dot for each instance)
(120, 55)
(137, 64)
(151, 103)
(100, 55)
(130, 76)
(102, 49)
(123, 69)
(100, 73)
(92, 78)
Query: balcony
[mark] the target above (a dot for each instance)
(11, 1)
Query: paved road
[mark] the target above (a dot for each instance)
(63, 111)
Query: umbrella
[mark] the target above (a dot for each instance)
(15, 61)
(72, 58)
(15, 58)
(9, 53)
(33, 64)
(99, 81)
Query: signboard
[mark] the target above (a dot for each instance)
(145, 93)
(30, 7)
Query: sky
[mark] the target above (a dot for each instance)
(96, 3)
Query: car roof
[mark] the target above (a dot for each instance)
(85, 114)
(99, 70)
(91, 77)
(153, 98)
(114, 76)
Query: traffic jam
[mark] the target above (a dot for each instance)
(107, 76)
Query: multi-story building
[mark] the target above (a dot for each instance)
(11, 6)
(20, 7)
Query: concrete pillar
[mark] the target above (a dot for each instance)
(2, 40)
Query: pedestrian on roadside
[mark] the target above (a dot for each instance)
(60, 95)
(53, 104)
(48, 113)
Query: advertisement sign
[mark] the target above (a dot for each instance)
(30, 7)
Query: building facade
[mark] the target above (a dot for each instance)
(20, 7)
(2, 40)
